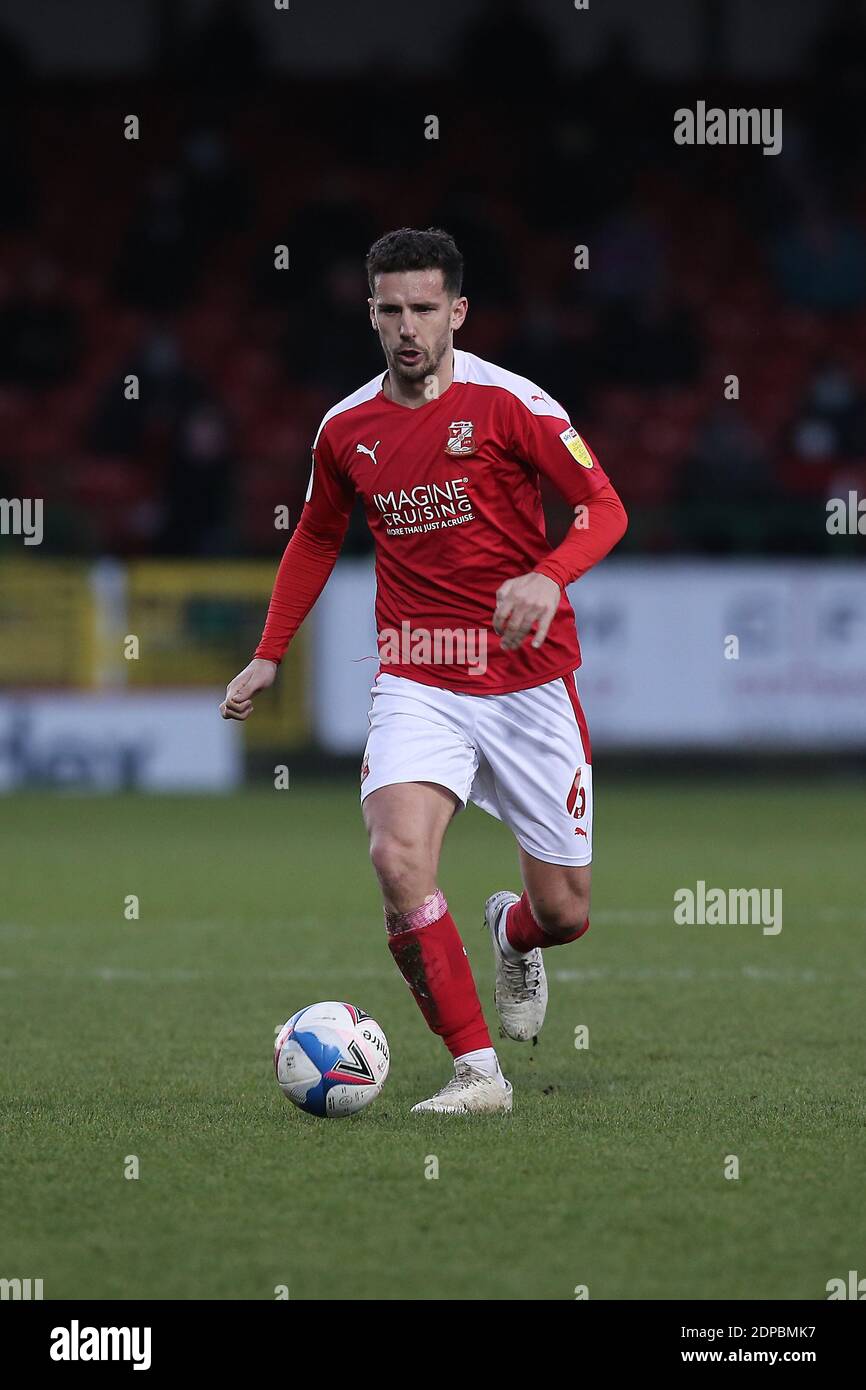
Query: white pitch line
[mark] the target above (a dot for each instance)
(685, 973)
(591, 975)
(602, 917)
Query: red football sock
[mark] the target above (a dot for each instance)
(523, 931)
(430, 956)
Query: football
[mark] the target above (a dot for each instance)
(331, 1059)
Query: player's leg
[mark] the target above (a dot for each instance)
(554, 907)
(406, 824)
(552, 911)
(415, 734)
(536, 775)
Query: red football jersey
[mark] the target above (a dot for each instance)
(453, 500)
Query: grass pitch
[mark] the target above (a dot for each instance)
(153, 1037)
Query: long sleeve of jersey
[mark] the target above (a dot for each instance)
(310, 555)
(600, 526)
(551, 445)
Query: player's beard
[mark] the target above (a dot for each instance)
(427, 366)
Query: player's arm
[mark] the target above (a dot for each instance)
(555, 448)
(303, 573)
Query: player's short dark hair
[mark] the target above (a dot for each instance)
(411, 249)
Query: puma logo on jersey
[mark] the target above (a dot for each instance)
(362, 449)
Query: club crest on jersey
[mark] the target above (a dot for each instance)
(576, 447)
(461, 438)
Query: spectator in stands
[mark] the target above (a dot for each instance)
(727, 487)
(592, 143)
(224, 55)
(820, 260)
(835, 397)
(727, 462)
(331, 225)
(40, 334)
(216, 186)
(198, 490)
(831, 424)
(168, 391)
(506, 39)
(649, 343)
(464, 211)
(327, 349)
(549, 350)
(16, 181)
(628, 261)
(838, 62)
(161, 259)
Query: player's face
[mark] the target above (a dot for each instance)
(415, 318)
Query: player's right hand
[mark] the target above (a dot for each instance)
(238, 703)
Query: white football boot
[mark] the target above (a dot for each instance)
(469, 1092)
(520, 994)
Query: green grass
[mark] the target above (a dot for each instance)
(154, 1038)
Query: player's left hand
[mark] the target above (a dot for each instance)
(527, 602)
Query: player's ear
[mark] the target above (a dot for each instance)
(372, 312)
(459, 310)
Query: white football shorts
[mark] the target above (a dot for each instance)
(524, 757)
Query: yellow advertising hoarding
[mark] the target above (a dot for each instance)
(198, 623)
(148, 624)
(47, 623)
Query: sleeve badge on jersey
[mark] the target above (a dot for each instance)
(576, 447)
(461, 438)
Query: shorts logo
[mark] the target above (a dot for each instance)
(575, 804)
(461, 438)
(365, 767)
(576, 447)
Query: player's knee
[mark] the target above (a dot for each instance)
(565, 916)
(397, 861)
